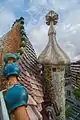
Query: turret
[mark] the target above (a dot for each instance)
(54, 59)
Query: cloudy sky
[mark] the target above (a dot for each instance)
(34, 11)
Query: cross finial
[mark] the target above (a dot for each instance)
(52, 17)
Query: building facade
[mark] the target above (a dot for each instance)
(75, 73)
(72, 103)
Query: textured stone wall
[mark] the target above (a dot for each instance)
(49, 90)
(58, 84)
(54, 88)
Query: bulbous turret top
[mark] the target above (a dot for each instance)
(52, 54)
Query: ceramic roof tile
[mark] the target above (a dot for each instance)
(31, 101)
(28, 64)
(34, 115)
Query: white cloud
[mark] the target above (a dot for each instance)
(63, 4)
(70, 49)
(7, 18)
(68, 33)
(69, 30)
(14, 3)
(38, 2)
(38, 37)
(70, 24)
(76, 58)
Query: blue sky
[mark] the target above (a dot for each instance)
(34, 11)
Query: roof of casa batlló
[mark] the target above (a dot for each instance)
(53, 54)
(15, 41)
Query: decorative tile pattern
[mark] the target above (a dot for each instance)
(30, 75)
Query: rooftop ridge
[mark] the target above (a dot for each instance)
(21, 19)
